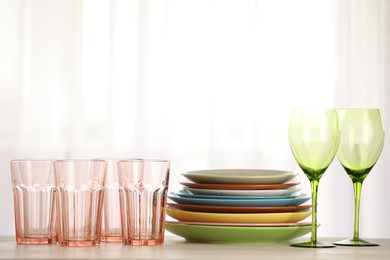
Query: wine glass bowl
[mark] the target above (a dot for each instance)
(361, 143)
(314, 138)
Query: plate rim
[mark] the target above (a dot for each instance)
(232, 197)
(266, 171)
(240, 202)
(240, 186)
(242, 235)
(240, 208)
(234, 217)
(269, 176)
(213, 192)
(231, 224)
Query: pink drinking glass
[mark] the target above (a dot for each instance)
(79, 187)
(111, 218)
(34, 203)
(143, 186)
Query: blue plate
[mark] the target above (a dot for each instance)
(188, 194)
(294, 201)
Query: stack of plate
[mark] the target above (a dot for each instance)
(239, 206)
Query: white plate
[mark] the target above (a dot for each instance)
(248, 176)
(282, 192)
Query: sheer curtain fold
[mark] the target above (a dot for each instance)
(363, 39)
(206, 84)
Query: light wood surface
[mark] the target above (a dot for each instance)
(176, 248)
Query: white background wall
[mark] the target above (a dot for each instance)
(206, 84)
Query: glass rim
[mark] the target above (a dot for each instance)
(337, 109)
(78, 160)
(116, 158)
(359, 109)
(32, 160)
(144, 160)
(313, 109)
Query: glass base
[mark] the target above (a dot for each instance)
(114, 239)
(79, 242)
(143, 242)
(354, 242)
(312, 244)
(35, 240)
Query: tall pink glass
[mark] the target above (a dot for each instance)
(143, 186)
(34, 205)
(111, 217)
(79, 186)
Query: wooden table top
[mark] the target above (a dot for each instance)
(176, 248)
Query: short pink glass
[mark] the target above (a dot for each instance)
(143, 186)
(34, 205)
(111, 217)
(79, 187)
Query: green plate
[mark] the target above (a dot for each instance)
(237, 234)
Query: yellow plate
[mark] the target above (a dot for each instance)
(284, 217)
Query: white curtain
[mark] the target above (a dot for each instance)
(204, 83)
(363, 80)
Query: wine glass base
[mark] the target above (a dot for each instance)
(354, 242)
(312, 244)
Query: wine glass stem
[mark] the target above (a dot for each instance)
(357, 186)
(314, 189)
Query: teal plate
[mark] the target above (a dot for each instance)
(298, 200)
(237, 234)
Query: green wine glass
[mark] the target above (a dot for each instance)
(314, 137)
(361, 143)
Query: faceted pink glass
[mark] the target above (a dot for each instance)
(111, 218)
(34, 205)
(143, 186)
(79, 187)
